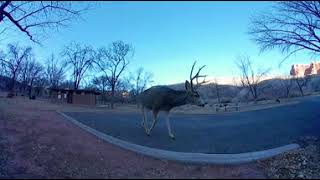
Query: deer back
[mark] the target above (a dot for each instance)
(162, 98)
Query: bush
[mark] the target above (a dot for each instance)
(10, 95)
(262, 99)
(225, 101)
(292, 95)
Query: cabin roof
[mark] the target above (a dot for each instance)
(77, 91)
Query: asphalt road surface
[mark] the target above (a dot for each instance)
(222, 133)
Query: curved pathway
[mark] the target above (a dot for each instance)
(214, 134)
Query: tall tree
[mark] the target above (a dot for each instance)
(31, 71)
(13, 61)
(54, 72)
(217, 89)
(302, 82)
(2, 64)
(113, 61)
(250, 78)
(67, 84)
(81, 59)
(35, 72)
(36, 17)
(292, 26)
(102, 84)
(141, 80)
(287, 83)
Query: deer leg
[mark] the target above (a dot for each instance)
(143, 116)
(144, 120)
(168, 125)
(155, 113)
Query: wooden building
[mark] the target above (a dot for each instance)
(83, 97)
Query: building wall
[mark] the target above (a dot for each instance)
(58, 97)
(85, 99)
(72, 97)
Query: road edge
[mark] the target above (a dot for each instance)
(194, 158)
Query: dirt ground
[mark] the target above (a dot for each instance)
(36, 142)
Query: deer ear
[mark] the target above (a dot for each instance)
(187, 85)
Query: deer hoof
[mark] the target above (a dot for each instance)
(172, 137)
(148, 133)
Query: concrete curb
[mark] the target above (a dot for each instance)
(196, 158)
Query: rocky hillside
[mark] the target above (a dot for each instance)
(269, 89)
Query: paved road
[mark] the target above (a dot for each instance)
(222, 133)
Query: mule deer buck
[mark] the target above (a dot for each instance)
(162, 98)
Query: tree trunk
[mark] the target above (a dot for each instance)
(75, 85)
(218, 94)
(301, 91)
(103, 96)
(12, 85)
(30, 89)
(112, 96)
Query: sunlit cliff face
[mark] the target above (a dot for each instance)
(305, 69)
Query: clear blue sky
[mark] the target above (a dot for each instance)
(169, 36)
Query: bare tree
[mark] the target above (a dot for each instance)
(302, 82)
(30, 17)
(287, 83)
(13, 61)
(32, 71)
(36, 71)
(54, 72)
(24, 75)
(292, 26)
(123, 87)
(80, 59)
(40, 83)
(217, 88)
(113, 61)
(102, 84)
(249, 77)
(141, 80)
(67, 84)
(2, 64)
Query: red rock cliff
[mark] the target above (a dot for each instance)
(305, 69)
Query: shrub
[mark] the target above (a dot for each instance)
(262, 99)
(10, 95)
(225, 101)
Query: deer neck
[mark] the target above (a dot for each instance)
(181, 98)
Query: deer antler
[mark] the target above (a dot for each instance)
(196, 76)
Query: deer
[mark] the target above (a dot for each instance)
(162, 98)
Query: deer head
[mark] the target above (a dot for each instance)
(193, 96)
